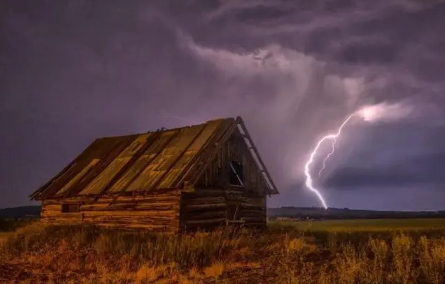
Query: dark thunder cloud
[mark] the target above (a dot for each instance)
(71, 71)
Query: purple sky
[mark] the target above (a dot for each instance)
(72, 71)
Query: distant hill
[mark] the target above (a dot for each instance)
(345, 213)
(20, 212)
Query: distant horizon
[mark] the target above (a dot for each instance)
(298, 207)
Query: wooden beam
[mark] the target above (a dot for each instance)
(254, 148)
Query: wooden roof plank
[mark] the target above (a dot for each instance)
(185, 147)
(217, 127)
(149, 161)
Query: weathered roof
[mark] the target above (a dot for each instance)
(141, 162)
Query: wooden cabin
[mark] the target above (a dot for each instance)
(201, 176)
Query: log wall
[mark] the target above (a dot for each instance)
(206, 209)
(155, 212)
(169, 212)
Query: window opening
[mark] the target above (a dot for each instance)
(236, 174)
(70, 208)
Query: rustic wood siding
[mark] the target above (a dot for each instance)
(208, 208)
(217, 172)
(203, 210)
(253, 211)
(155, 211)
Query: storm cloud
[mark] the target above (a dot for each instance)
(72, 71)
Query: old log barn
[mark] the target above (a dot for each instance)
(201, 176)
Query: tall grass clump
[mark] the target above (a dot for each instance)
(431, 260)
(403, 256)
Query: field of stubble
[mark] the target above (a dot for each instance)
(348, 251)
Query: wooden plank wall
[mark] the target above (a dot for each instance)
(217, 172)
(168, 212)
(203, 210)
(207, 208)
(155, 212)
(253, 211)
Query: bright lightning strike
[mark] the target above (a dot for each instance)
(328, 156)
(334, 140)
(370, 113)
(332, 137)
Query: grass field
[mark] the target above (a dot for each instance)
(367, 225)
(3, 236)
(348, 251)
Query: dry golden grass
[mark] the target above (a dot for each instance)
(3, 236)
(45, 254)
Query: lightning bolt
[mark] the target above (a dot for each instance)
(333, 137)
(334, 140)
(328, 156)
